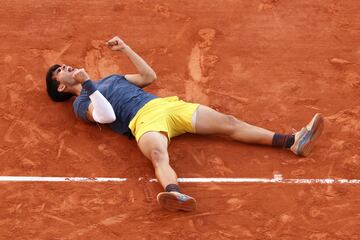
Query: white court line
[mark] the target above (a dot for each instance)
(276, 179)
(58, 179)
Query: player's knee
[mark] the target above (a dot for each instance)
(158, 156)
(231, 123)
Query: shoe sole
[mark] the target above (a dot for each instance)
(314, 132)
(170, 202)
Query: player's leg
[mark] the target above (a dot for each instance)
(209, 121)
(154, 146)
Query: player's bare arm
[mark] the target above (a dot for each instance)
(146, 75)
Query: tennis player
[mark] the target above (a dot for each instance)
(120, 102)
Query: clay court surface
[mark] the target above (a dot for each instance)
(271, 63)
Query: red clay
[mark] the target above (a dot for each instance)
(271, 63)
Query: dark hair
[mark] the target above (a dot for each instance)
(52, 86)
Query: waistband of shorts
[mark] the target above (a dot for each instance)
(150, 104)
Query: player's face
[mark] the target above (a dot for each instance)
(64, 75)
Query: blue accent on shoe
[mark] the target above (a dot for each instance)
(304, 140)
(183, 197)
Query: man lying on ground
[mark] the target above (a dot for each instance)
(119, 101)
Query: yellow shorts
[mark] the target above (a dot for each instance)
(169, 115)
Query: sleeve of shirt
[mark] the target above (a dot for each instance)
(80, 106)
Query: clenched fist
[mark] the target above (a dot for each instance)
(116, 44)
(80, 75)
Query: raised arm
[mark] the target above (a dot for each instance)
(145, 75)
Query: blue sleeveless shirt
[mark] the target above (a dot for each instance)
(125, 97)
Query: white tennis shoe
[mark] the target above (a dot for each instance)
(304, 139)
(174, 201)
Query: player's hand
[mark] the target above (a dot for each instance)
(80, 75)
(116, 44)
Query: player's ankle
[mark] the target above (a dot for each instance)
(172, 188)
(284, 141)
